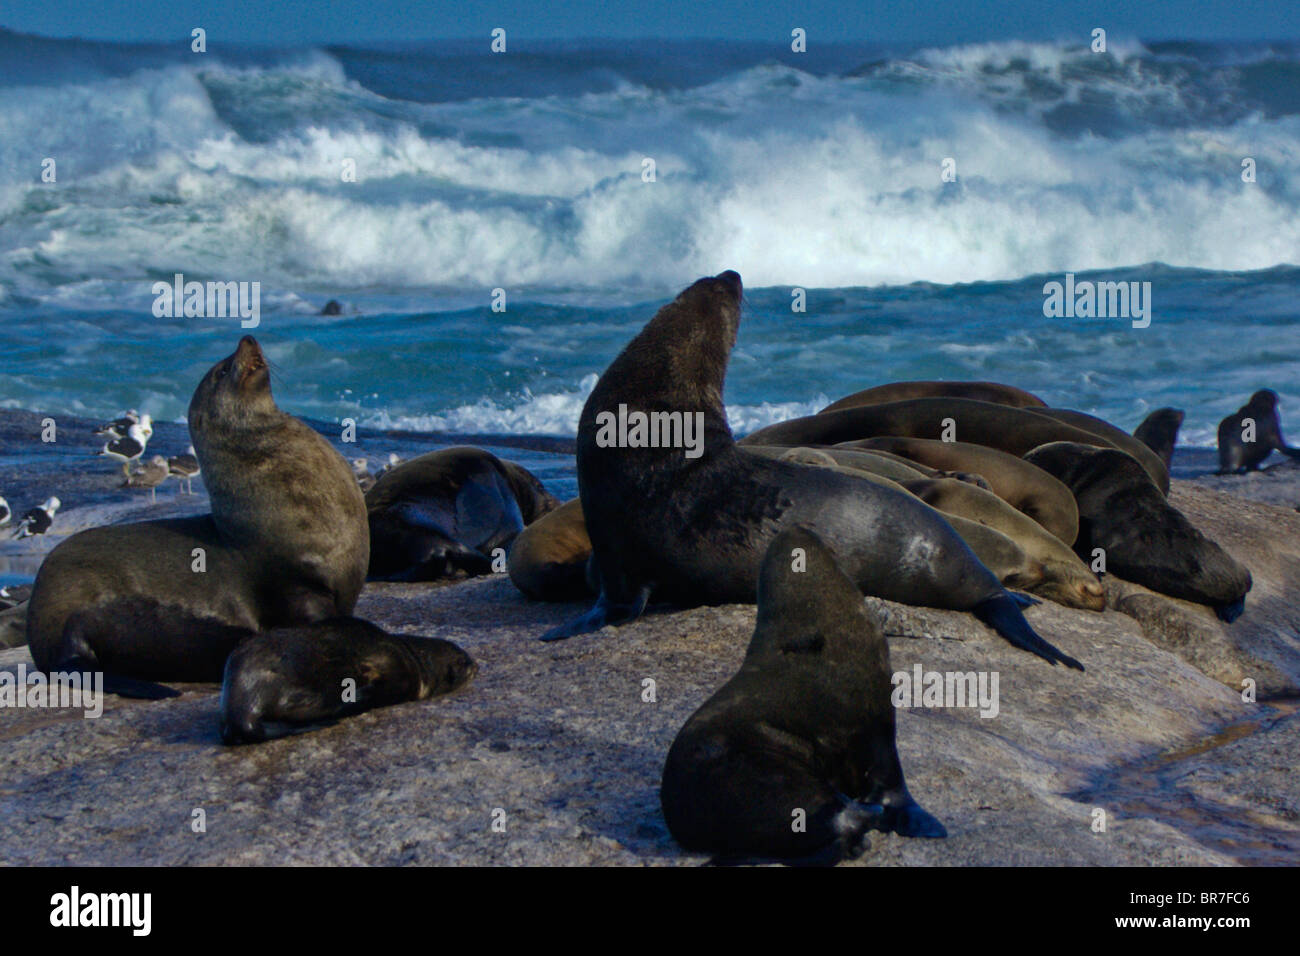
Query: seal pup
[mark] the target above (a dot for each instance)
(692, 530)
(447, 511)
(286, 543)
(804, 731)
(299, 675)
(1236, 455)
(39, 519)
(993, 392)
(1029, 490)
(1159, 432)
(1145, 539)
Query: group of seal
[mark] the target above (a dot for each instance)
(287, 544)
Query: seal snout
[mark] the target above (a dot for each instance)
(731, 279)
(249, 357)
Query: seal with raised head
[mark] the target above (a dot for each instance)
(993, 392)
(802, 734)
(1159, 432)
(286, 543)
(335, 668)
(689, 525)
(1029, 490)
(1144, 538)
(447, 511)
(1236, 454)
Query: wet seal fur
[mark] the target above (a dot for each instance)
(693, 531)
(1237, 456)
(1144, 538)
(286, 543)
(806, 724)
(446, 511)
(295, 675)
(993, 392)
(1159, 432)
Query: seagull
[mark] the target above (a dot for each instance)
(5, 512)
(38, 520)
(118, 427)
(153, 474)
(184, 468)
(129, 447)
(393, 462)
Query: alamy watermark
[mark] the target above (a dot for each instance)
(211, 300)
(922, 688)
(1086, 299)
(651, 430)
(56, 690)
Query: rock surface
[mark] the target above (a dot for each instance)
(557, 740)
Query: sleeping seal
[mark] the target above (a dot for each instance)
(690, 524)
(298, 675)
(803, 733)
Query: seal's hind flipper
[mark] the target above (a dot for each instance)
(1023, 600)
(913, 820)
(1001, 613)
(603, 614)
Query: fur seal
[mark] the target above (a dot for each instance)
(286, 543)
(693, 530)
(881, 465)
(1159, 432)
(806, 724)
(1064, 578)
(1116, 438)
(1028, 489)
(296, 675)
(992, 392)
(1144, 538)
(1236, 455)
(446, 511)
(548, 561)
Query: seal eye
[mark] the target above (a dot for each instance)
(221, 371)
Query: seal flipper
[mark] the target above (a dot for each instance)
(1001, 613)
(117, 684)
(604, 613)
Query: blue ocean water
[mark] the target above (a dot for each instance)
(524, 172)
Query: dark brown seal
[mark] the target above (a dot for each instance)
(286, 543)
(794, 757)
(447, 511)
(690, 525)
(335, 668)
(1159, 432)
(1144, 539)
(1236, 454)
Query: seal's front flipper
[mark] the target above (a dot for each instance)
(912, 820)
(137, 689)
(1230, 612)
(1001, 613)
(1023, 600)
(603, 614)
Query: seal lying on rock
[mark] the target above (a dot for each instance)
(992, 392)
(690, 524)
(1144, 538)
(300, 675)
(447, 511)
(794, 757)
(286, 543)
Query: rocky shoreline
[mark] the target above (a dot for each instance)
(561, 739)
